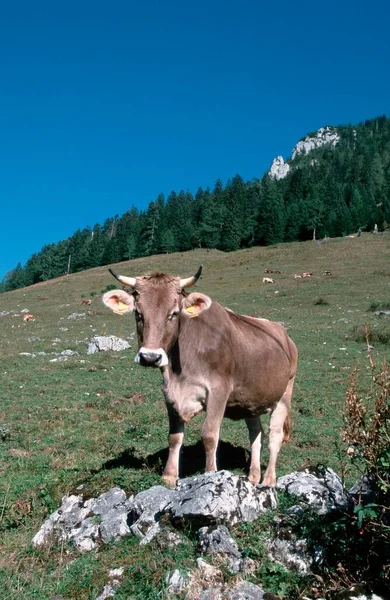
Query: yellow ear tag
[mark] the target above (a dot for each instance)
(121, 308)
(190, 310)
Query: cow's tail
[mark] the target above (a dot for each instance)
(287, 429)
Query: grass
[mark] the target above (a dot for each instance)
(101, 421)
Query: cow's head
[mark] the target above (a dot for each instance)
(158, 303)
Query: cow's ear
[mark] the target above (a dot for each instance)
(119, 301)
(196, 303)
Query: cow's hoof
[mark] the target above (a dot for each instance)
(170, 480)
(269, 481)
(254, 478)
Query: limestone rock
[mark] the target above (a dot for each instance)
(101, 343)
(279, 168)
(220, 497)
(321, 488)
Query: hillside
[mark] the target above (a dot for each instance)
(336, 181)
(99, 420)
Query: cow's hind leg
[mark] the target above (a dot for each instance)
(279, 432)
(175, 441)
(255, 438)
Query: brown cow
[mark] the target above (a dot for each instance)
(211, 359)
(28, 317)
(86, 302)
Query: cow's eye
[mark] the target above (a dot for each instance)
(138, 316)
(172, 316)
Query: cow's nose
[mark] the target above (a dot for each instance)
(148, 358)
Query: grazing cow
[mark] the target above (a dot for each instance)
(307, 274)
(270, 271)
(86, 302)
(297, 276)
(327, 273)
(268, 280)
(211, 359)
(28, 317)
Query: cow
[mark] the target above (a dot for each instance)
(307, 274)
(268, 280)
(211, 359)
(297, 276)
(28, 317)
(86, 302)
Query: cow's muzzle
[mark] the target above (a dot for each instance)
(151, 358)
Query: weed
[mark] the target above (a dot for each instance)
(321, 302)
(375, 306)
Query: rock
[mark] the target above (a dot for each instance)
(176, 582)
(324, 136)
(146, 509)
(244, 590)
(293, 554)
(279, 168)
(218, 541)
(320, 488)
(220, 497)
(114, 576)
(76, 315)
(101, 343)
(364, 490)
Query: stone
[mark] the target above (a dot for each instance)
(176, 582)
(147, 507)
(320, 488)
(101, 343)
(218, 541)
(220, 497)
(279, 169)
(325, 136)
(244, 590)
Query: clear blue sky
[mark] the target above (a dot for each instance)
(103, 105)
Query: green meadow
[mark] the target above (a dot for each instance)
(99, 420)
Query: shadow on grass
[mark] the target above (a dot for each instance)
(192, 459)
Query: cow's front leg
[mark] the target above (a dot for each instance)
(255, 438)
(211, 427)
(175, 441)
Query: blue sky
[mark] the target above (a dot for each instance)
(103, 105)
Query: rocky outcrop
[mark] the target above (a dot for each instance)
(279, 168)
(325, 136)
(211, 503)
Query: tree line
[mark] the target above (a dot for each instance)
(331, 191)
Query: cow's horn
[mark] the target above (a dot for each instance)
(130, 281)
(184, 283)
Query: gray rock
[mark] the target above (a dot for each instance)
(363, 490)
(101, 343)
(293, 554)
(220, 497)
(76, 315)
(219, 541)
(114, 524)
(147, 507)
(176, 582)
(321, 488)
(107, 501)
(244, 590)
(279, 169)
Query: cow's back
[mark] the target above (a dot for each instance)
(253, 358)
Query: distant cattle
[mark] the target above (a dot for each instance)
(211, 359)
(271, 271)
(327, 273)
(307, 274)
(297, 276)
(86, 302)
(28, 317)
(268, 280)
